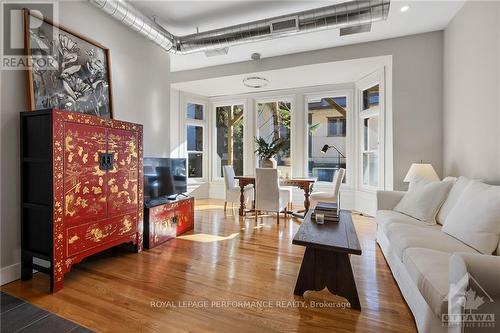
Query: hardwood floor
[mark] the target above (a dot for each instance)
(114, 291)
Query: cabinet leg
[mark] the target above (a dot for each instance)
(140, 243)
(26, 266)
(55, 286)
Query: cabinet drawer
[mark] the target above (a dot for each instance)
(84, 237)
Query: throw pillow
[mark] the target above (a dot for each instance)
(451, 200)
(423, 199)
(475, 219)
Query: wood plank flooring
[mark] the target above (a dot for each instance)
(229, 259)
(17, 316)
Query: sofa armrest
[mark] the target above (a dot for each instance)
(387, 200)
(474, 285)
(484, 269)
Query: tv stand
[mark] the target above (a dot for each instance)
(166, 219)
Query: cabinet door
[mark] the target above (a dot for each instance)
(84, 183)
(185, 216)
(162, 224)
(123, 178)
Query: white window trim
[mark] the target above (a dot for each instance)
(213, 133)
(369, 81)
(270, 99)
(350, 128)
(184, 122)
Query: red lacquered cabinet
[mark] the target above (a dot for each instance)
(164, 221)
(81, 189)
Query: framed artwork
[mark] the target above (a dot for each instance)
(66, 70)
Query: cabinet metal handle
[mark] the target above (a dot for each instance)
(105, 161)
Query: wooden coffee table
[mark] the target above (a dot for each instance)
(326, 261)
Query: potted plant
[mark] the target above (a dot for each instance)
(268, 150)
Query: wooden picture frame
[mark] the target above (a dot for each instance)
(66, 70)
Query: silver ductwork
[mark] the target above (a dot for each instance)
(360, 13)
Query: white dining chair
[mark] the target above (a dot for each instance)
(232, 189)
(332, 196)
(289, 190)
(269, 196)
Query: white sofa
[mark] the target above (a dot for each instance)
(425, 261)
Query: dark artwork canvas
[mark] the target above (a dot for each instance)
(68, 71)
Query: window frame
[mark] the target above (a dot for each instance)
(184, 123)
(293, 124)
(344, 120)
(376, 78)
(213, 136)
(350, 128)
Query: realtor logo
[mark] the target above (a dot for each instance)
(469, 305)
(13, 54)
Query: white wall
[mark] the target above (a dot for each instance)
(417, 100)
(141, 93)
(471, 92)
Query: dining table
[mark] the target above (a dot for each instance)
(305, 184)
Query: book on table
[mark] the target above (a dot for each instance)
(327, 206)
(329, 211)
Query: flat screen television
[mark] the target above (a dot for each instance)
(164, 178)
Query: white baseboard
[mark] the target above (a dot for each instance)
(10, 273)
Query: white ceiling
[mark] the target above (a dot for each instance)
(287, 78)
(183, 17)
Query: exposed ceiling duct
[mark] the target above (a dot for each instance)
(359, 13)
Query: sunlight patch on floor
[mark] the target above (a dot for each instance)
(206, 238)
(208, 207)
(258, 226)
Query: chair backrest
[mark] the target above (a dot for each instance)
(267, 190)
(337, 181)
(229, 180)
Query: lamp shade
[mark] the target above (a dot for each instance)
(424, 170)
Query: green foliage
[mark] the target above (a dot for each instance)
(267, 150)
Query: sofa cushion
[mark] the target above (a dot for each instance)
(385, 218)
(423, 199)
(475, 218)
(429, 270)
(451, 200)
(404, 236)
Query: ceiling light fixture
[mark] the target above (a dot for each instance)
(255, 82)
(404, 8)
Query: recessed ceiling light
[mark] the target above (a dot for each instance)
(404, 8)
(255, 82)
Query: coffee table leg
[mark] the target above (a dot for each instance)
(305, 280)
(321, 268)
(344, 284)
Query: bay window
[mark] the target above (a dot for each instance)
(327, 125)
(229, 128)
(370, 136)
(274, 122)
(195, 139)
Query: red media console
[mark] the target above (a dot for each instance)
(166, 220)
